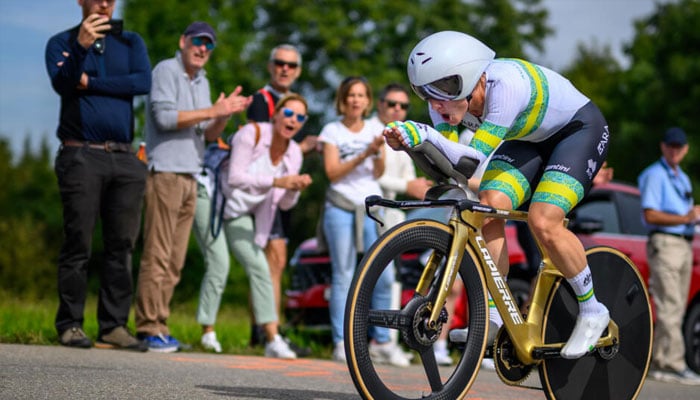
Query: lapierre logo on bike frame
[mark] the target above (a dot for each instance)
(500, 282)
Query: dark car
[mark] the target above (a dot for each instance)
(612, 215)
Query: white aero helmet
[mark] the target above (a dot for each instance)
(447, 65)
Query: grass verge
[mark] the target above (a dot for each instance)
(32, 322)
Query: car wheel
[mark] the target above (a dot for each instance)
(691, 335)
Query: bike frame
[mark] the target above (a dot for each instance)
(526, 333)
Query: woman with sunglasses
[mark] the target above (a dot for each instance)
(353, 156)
(554, 142)
(262, 175)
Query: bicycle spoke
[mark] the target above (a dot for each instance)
(431, 370)
(392, 319)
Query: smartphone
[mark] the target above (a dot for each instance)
(117, 27)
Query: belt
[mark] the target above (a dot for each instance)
(680, 235)
(107, 146)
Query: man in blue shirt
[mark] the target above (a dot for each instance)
(97, 70)
(669, 215)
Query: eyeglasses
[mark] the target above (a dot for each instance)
(392, 104)
(447, 88)
(290, 113)
(198, 41)
(282, 63)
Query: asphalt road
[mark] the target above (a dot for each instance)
(56, 372)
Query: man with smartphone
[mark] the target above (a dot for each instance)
(97, 69)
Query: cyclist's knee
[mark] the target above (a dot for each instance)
(546, 221)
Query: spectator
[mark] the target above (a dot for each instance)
(284, 66)
(669, 215)
(353, 152)
(97, 70)
(263, 176)
(179, 117)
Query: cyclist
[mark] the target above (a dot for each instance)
(553, 140)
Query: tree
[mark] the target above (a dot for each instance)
(661, 88)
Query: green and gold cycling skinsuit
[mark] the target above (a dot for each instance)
(550, 135)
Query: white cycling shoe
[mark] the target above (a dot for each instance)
(586, 333)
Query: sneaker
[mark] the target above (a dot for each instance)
(160, 344)
(75, 337)
(488, 364)
(278, 348)
(460, 335)
(120, 338)
(388, 353)
(442, 355)
(685, 377)
(209, 342)
(339, 352)
(586, 333)
(298, 350)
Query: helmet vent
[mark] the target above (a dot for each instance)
(426, 60)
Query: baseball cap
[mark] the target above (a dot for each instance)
(676, 136)
(200, 29)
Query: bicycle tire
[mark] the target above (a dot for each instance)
(368, 379)
(618, 285)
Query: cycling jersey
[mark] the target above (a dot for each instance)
(554, 136)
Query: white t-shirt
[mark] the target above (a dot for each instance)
(360, 182)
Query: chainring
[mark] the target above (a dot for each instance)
(508, 367)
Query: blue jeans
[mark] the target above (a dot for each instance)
(339, 230)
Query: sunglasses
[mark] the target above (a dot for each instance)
(282, 63)
(289, 113)
(198, 41)
(447, 88)
(392, 104)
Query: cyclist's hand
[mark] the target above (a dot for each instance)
(407, 133)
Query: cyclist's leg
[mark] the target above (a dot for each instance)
(573, 157)
(506, 185)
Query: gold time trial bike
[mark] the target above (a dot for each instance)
(615, 369)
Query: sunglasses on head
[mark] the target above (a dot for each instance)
(447, 88)
(282, 63)
(392, 104)
(198, 41)
(290, 113)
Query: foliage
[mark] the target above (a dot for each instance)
(661, 88)
(30, 226)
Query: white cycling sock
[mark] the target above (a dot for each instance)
(494, 316)
(583, 287)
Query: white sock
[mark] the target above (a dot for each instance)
(583, 287)
(494, 316)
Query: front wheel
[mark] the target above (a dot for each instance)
(607, 373)
(361, 318)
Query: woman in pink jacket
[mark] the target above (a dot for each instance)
(263, 174)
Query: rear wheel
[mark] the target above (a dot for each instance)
(374, 381)
(691, 333)
(617, 372)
